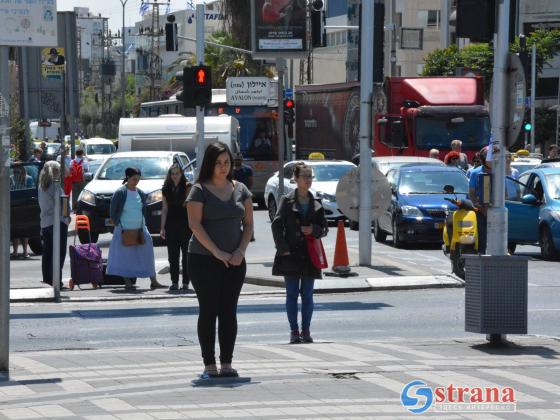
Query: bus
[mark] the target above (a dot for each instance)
(258, 139)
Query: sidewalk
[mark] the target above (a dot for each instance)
(312, 381)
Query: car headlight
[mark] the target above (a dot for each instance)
(411, 211)
(154, 197)
(87, 197)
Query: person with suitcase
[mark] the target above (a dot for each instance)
(131, 253)
(175, 224)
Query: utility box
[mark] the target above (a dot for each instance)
(496, 294)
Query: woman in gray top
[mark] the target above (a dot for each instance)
(220, 213)
(49, 188)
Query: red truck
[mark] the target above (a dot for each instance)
(411, 115)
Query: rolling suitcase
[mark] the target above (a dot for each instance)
(86, 262)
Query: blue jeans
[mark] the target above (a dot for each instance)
(294, 287)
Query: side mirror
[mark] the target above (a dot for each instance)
(448, 189)
(529, 199)
(88, 176)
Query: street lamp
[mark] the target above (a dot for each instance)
(123, 73)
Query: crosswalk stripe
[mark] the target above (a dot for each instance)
(289, 354)
(406, 350)
(382, 381)
(526, 380)
(351, 352)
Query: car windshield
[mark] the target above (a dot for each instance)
(94, 165)
(439, 132)
(553, 185)
(151, 167)
(385, 167)
(53, 148)
(100, 149)
(432, 182)
(325, 173)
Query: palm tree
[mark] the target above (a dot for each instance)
(238, 21)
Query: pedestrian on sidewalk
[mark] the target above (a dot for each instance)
(49, 188)
(244, 174)
(299, 214)
(221, 219)
(475, 186)
(131, 253)
(175, 224)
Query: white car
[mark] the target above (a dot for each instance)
(326, 174)
(97, 148)
(525, 163)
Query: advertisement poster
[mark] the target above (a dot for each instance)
(28, 23)
(279, 27)
(52, 63)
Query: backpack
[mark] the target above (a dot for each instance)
(77, 171)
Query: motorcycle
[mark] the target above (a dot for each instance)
(460, 232)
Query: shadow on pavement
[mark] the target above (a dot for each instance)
(182, 310)
(512, 349)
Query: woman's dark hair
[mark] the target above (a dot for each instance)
(168, 184)
(298, 167)
(209, 162)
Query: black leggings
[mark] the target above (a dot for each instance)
(217, 289)
(177, 244)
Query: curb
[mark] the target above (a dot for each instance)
(346, 285)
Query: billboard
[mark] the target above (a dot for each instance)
(279, 28)
(28, 23)
(52, 63)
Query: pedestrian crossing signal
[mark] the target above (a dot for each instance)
(202, 85)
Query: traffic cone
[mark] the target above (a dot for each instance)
(341, 264)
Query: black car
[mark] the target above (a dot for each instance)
(25, 219)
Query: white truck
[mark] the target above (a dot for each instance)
(176, 133)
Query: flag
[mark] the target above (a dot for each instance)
(144, 7)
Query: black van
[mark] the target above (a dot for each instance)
(25, 219)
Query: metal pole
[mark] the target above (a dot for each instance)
(497, 213)
(25, 100)
(56, 238)
(557, 113)
(366, 92)
(200, 143)
(4, 212)
(444, 22)
(123, 72)
(533, 89)
(280, 130)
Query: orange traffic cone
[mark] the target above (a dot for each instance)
(341, 264)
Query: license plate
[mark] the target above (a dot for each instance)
(108, 222)
(438, 225)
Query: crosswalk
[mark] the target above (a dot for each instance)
(321, 380)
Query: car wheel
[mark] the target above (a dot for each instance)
(378, 234)
(271, 208)
(397, 241)
(353, 225)
(548, 251)
(511, 247)
(36, 245)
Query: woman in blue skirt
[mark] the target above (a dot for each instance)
(128, 258)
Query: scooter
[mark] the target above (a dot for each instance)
(460, 232)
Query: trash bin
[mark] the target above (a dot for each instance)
(496, 294)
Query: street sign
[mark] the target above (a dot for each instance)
(248, 91)
(348, 194)
(28, 23)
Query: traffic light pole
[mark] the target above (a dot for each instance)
(200, 146)
(533, 89)
(280, 68)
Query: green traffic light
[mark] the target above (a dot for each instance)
(527, 126)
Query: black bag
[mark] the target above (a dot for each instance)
(109, 279)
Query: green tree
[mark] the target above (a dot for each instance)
(238, 21)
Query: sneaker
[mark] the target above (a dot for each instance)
(185, 288)
(295, 338)
(173, 287)
(306, 337)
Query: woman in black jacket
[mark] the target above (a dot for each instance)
(299, 215)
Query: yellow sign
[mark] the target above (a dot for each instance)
(52, 63)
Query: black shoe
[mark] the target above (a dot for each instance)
(174, 287)
(185, 289)
(295, 338)
(306, 337)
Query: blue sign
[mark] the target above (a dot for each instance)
(288, 93)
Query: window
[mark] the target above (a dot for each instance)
(428, 18)
(23, 177)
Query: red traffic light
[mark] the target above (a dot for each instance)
(288, 103)
(201, 76)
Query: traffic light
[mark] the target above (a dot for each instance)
(201, 85)
(186, 94)
(289, 115)
(527, 126)
(171, 34)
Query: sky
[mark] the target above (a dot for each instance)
(112, 9)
